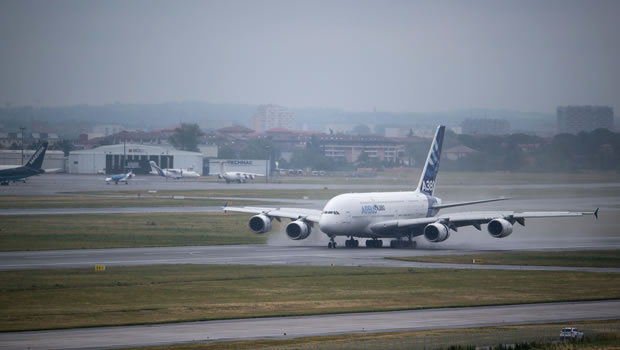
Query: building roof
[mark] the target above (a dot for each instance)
(235, 129)
(136, 149)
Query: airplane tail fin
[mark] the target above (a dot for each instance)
(156, 169)
(431, 168)
(36, 161)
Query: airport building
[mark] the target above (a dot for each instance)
(271, 117)
(253, 166)
(111, 159)
(575, 119)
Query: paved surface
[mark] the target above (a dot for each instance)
(244, 254)
(292, 327)
(134, 210)
(543, 234)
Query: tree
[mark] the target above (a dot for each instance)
(65, 145)
(186, 137)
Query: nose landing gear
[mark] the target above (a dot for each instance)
(332, 243)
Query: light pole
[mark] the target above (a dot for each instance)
(22, 128)
(268, 165)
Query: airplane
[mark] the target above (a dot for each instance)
(120, 178)
(173, 173)
(20, 173)
(400, 216)
(235, 176)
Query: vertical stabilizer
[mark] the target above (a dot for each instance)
(429, 173)
(156, 169)
(36, 161)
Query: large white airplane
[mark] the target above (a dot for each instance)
(400, 216)
(235, 176)
(173, 173)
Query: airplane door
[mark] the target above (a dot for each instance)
(347, 217)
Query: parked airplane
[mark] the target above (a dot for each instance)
(20, 173)
(120, 178)
(397, 215)
(235, 176)
(173, 173)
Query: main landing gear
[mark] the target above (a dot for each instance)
(374, 243)
(352, 243)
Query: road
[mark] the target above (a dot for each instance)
(560, 234)
(292, 327)
(246, 254)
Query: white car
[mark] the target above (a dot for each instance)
(570, 333)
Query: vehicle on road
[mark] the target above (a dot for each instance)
(571, 333)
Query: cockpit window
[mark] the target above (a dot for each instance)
(331, 212)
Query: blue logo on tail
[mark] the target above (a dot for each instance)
(431, 168)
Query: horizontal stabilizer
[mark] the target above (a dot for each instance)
(460, 204)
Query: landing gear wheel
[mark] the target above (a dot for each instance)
(351, 243)
(374, 243)
(332, 243)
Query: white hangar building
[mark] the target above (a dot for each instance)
(243, 165)
(110, 159)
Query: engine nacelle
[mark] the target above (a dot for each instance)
(251, 177)
(436, 232)
(260, 223)
(499, 228)
(219, 176)
(297, 230)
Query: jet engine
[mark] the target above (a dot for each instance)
(499, 228)
(297, 230)
(219, 176)
(260, 223)
(436, 232)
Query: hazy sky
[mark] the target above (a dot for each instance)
(355, 55)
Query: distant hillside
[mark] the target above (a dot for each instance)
(72, 120)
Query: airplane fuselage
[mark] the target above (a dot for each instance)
(354, 213)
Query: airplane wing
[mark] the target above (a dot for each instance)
(289, 213)
(455, 220)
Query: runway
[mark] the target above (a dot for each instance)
(584, 233)
(247, 254)
(293, 327)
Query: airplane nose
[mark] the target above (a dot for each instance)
(326, 224)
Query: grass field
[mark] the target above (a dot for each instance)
(594, 258)
(42, 299)
(44, 232)
(122, 200)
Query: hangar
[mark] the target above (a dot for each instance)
(254, 166)
(110, 159)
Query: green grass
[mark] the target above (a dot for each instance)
(43, 232)
(324, 193)
(590, 258)
(42, 299)
(125, 200)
